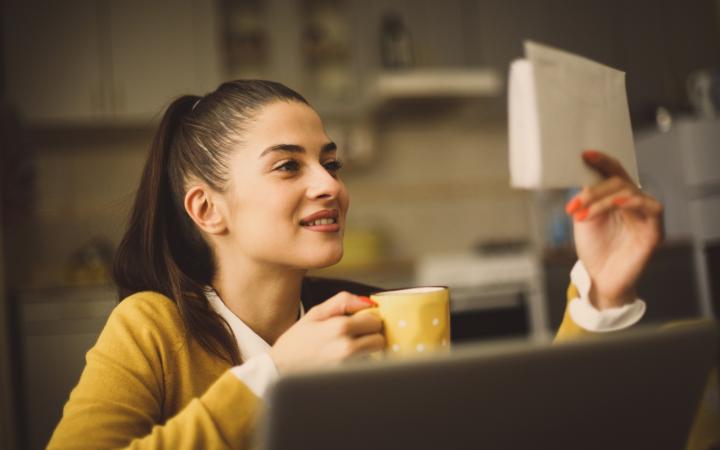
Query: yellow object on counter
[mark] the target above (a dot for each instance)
(362, 248)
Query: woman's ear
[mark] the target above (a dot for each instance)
(202, 207)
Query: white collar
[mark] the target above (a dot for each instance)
(249, 343)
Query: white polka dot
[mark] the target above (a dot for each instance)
(420, 348)
(396, 347)
(402, 324)
(436, 322)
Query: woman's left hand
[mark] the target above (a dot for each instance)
(616, 229)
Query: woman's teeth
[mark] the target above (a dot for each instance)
(321, 222)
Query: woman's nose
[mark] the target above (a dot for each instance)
(322, 184)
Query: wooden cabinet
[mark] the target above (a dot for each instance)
(88, 61)
(160, 49)
(52, 59)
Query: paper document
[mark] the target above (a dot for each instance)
(561, 104)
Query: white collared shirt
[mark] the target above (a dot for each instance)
(258, 370)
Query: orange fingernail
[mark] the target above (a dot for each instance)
(573, 205)
(591, 154)
(582, 214)
(619, 201)
(367, 300)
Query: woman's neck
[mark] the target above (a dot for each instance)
(265, 298)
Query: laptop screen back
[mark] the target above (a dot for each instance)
(629, 390)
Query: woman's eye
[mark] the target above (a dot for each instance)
(288, 166)
(333, 166)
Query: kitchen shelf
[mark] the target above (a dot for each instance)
(436, 83)
(416, 85)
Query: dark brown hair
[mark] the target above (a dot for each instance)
(162, 250)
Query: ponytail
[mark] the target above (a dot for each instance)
(161, 250)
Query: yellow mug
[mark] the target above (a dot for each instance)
(416, 320)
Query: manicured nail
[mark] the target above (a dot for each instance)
(573, 205)
(367, 300)
(619, 201)
(582, 214)
(592, 155)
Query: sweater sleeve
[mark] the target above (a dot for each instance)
(118, 401)
(581, 318)
(222, 418)
(568, 328)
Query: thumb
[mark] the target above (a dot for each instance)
(605, 165)
(341, 304)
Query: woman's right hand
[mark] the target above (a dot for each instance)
(329, 334)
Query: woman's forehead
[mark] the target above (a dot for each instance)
(287, 123)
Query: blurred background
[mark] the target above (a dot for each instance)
(413, 92)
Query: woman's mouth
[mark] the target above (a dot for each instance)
(325, 221)
(320, 222)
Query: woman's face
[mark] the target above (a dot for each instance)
(286, 202)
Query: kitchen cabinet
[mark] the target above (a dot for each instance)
(53, 59)
(657, 43)
(89, 61)
(160, 49)
(58, 326)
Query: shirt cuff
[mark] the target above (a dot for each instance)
(257, 373)
(586, 316)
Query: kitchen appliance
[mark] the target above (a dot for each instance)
(681, 168)
(492, 294)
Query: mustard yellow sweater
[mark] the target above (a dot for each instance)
(146, 385)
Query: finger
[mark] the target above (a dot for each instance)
(604, 164)
(590, 194)
(367, 344)
(625, 199)
(364, 323)
(647, 205)
(604, 205)
(339, 305)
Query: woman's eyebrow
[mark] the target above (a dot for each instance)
(293, 148)
(329, 147)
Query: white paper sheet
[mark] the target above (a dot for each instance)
(561, 104)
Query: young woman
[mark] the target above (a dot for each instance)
(240, 196)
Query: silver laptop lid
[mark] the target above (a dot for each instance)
(630, 390)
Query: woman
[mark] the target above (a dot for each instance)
(240, 196)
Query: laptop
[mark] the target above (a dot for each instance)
(634, 390)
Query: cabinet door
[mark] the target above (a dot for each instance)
(53, 59)
(160, 50)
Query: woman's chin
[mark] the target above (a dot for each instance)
(327, 260)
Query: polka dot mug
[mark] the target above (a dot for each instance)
(416, 321)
